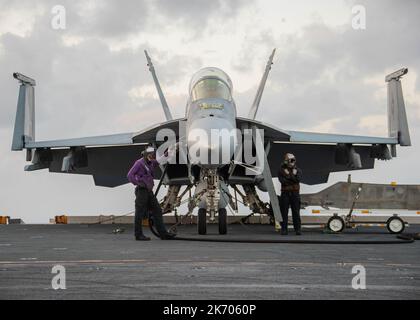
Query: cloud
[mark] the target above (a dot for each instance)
(375, 125)
(320, 74)
(197, 16)
(92, 78)
(83, 88)
(87, 83)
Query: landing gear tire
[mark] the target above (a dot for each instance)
(336, 224)
(202, 221)
(395, 225)
(222, 221)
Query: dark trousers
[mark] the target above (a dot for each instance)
(290, 200)
(146, 203)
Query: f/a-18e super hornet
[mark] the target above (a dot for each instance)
(210, 186)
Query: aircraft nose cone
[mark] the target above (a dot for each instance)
(211, 142)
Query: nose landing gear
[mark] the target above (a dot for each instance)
(202, 221)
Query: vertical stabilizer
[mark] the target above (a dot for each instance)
(255, 105)
(162, 98)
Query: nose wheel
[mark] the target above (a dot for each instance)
(202, 221)
(222, 221)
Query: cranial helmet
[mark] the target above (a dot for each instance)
(149, 150)
(290, 159)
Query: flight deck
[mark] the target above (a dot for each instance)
(102, 264)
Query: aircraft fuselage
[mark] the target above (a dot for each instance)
(211, 114)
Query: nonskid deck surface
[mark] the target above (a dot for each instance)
(103, 265)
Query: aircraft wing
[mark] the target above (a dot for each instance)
(142, 137)
(312, 137)
(107, 158)
(319, 154)
(317, 161)
(276, 134)
(117, 139)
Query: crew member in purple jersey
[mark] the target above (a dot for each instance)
(141, 175)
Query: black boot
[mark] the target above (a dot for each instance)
(298, 232)
(142, 237)
(284, 232)
(168, 236)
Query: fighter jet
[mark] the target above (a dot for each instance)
(212, 185)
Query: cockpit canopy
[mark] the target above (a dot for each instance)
(210, 88)
(211, 83)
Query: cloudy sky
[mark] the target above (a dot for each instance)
(92, 78)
